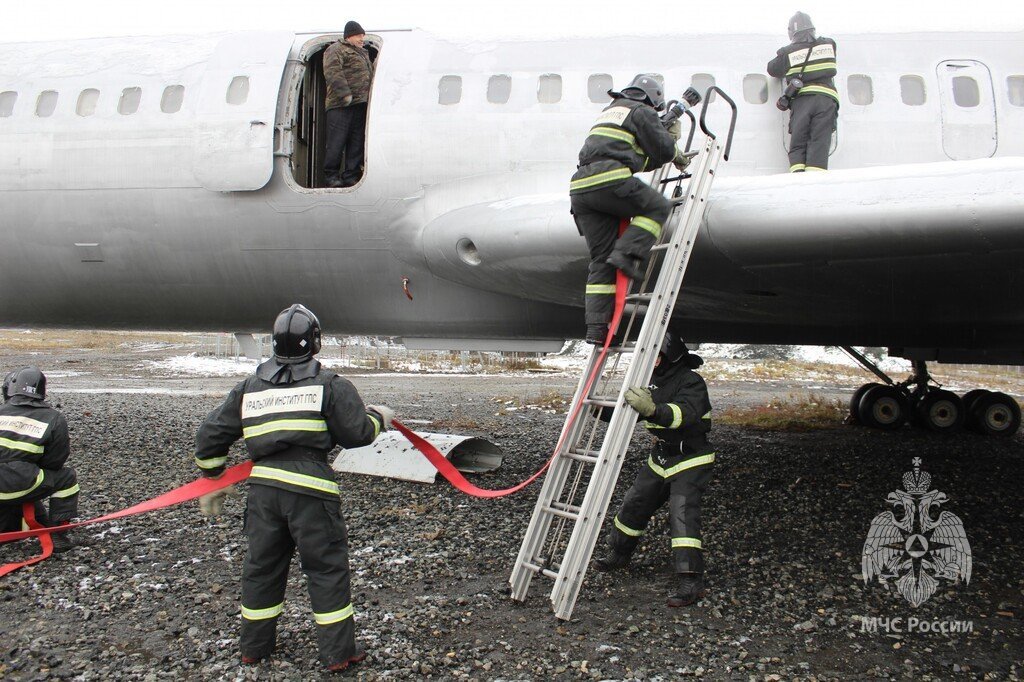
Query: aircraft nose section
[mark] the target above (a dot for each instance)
(526, 247)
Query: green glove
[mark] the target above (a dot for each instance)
(640, 400)
(675, 129)
(682, 159)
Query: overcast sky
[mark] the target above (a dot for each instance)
(462, 19)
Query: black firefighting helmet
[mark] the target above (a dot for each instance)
(673, 349)
(296, 335)
(8, 380)
(29, 382)
(799, 23)
(643, 88)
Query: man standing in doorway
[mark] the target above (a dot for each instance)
(348, 72)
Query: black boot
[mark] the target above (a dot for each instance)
(631, 266)
(691, 589)
(612, 561)
(597, 333)
(62, 542)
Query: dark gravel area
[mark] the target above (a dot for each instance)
(157, 596)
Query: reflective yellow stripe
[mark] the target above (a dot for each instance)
(796, 167)
(677, 416)
(682, 466)
(293, 478)
(262, 614)
(212, 462)
(601, 178)
(18, 493)
(819, 89)
(645, 223)
(334, 616)
(284, 425)
(812, 67)
(686, 542)
(376, 426)
(707, 415)
(614, 133)
(594, 289)
(18, 445)
(813, 168)
(67, 492)
(627, 530)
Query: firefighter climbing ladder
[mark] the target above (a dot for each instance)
(585, 463)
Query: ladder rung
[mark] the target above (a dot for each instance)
(661, 247)
(625, 348)
(646, 298)
(566, 507)
(580, 456)
(600, 403)
(572, 516)
(543, 571)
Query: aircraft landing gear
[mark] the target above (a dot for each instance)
(918, 400)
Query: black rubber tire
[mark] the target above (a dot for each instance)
(996, 414)
(855, 401)
(883, 407)
(970, 397)
(941, 412)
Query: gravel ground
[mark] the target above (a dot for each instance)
(156, 596)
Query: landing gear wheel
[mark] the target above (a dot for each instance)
(996, 414)
(969, 399)
(855, 401)
(883, 407)
(941, 411)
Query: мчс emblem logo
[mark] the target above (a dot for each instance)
(912, 546)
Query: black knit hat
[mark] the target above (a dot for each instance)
(353, 28)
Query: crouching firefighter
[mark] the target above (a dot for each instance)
(678, 413)
(628, 137)
(292, 413)
(34, 450)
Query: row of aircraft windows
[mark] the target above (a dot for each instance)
(755, 89)
(170, 102)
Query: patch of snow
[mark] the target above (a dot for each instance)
(205, 366)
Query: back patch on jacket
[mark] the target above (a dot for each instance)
(614, 116)
(23, 426)
(276, 400)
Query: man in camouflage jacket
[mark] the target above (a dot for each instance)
(348, 72)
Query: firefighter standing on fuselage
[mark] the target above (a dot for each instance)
(814, 106)
(678, 413)
(627, 138)
(292, 413)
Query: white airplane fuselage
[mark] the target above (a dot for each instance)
(120, 211)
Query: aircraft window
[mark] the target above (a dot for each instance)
(170, 101)
(912, 90)
(755, 88)
(87, 102)
(598, 86)
(549, 88)
(1014, 87)
(238, 90)
(859, 89)
(965, 92)
(129, 102)
(46, 104)
(701, 82)
(7, 100)
(449, 90)
(499, 89)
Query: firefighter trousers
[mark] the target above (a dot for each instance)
(683, 492)
(22, 482)
(277, 522)
(812, 118)
(598, 214)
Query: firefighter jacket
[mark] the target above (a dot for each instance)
(291, 417)
(347, 71)
(627, 138)
(33, 437)
(817, 74)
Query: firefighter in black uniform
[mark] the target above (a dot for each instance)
(627, 138)
(678, 413)
(292, 413)
(808, 65)
(34, 450)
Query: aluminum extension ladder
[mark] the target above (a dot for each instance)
(585, 463)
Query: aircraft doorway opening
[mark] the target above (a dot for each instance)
(311, 134)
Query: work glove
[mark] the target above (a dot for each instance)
(640, 400)
(681, 161)
(346, 100)
(211, 504)
(386, 413)
(675, 129)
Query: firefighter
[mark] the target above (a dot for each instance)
(808, 65)
(678, 413)
(34, 450)
(292, 413)
(627, 138)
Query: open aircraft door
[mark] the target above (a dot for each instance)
(968, 110)
(235, 114)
